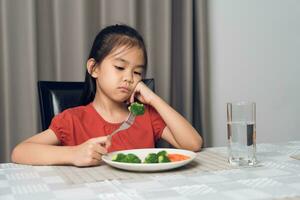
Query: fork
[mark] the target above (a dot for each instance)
(125, 125)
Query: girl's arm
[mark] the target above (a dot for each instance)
(179, 132)
(44, 149)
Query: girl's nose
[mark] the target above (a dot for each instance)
(128, 78)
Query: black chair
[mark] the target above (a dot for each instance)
(56, 96)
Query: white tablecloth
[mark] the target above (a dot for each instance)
(276, 177)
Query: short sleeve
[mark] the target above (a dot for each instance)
(61, 125)
(158, 124)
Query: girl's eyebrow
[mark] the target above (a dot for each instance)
(127, 62)
(122, 60)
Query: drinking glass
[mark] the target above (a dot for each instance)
(241, 133)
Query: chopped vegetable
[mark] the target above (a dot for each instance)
(177, 157)
(129, 158)
(120, 157)
(137, 108)
(151, 158)
(132, 158)
(164, 153)
(160, 157)
(163, 159)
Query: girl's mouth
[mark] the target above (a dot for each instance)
(124, 89)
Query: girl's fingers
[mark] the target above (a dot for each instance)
(100, 149)
(136, 91)
(132, 97)
(96, 156)
(95, 162)
(104, 141)
(99, 140)
(140, 98)
(142, 93)
(107, 144)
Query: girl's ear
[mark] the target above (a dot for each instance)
(92, 68)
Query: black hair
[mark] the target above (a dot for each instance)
(107, 40)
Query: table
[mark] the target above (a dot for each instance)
(276, 177)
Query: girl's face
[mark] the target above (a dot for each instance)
(119, 73)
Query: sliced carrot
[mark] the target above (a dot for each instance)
(177, 157)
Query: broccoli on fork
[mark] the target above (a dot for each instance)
(137, 108)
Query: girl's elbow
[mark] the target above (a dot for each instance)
(13, 156)
(196, 145)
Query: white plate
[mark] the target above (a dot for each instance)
(142, 153)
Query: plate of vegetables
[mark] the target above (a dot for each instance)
(149, 160)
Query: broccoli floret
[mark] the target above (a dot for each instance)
(137, 108)
(160, 157)
(163, 159)
(129, 158)
(151, 158)
(132, 158)
(164, 153)
(120, 157)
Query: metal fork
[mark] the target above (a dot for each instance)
(125, 125)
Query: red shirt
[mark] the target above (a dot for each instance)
(76, 125)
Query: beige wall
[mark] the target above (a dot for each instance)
(254, 55)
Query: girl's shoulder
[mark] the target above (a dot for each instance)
(149, 109)
(77, 111)
(150, 112)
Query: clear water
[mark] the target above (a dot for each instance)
(241, 143)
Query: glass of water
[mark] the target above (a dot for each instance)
(241, 133)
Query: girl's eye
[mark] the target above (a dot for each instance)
(138, 73)
(119, 68)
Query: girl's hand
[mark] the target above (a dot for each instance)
(90, 152)
(142, 93)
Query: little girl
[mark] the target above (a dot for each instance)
(79, 136)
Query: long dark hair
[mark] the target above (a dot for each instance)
(107, 40)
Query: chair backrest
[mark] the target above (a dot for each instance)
(56, 96)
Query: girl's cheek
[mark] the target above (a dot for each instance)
(137, 81)
(139, 78)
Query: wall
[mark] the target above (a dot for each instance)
(255, 55)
